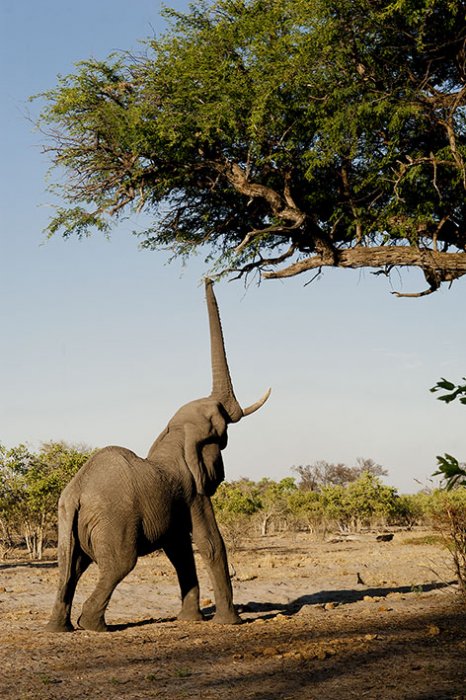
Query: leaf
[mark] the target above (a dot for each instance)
(443, 384)
(450, 470)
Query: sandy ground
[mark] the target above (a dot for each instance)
(331, 620)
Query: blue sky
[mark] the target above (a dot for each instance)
(102, 342)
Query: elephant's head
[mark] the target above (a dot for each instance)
(200, 426)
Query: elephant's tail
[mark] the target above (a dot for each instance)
(68, 509)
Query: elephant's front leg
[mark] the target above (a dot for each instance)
(179, 550)
(209, 541)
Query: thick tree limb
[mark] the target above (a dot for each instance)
(282, 207)
(448, 266)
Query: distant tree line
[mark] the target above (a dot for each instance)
(321, 498)
(324, 497)
(330, 498)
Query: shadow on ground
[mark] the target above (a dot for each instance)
(271, 610)
(343, 596)
(53, 564)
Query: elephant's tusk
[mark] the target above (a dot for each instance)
(255, 406)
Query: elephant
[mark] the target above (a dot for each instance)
(120, 506)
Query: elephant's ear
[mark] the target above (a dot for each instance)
(213, 464)
(204, 460)
(193, 457)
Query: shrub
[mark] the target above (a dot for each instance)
(448, 511)
(30, 485)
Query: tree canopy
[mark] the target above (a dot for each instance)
(279, 137)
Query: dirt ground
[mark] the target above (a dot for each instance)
(345, 618)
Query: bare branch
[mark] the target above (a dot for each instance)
(415, 295)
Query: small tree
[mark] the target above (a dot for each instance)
(31, 484)
(364, 464)
(448, 512)
(235, 503)
(454, 476)
(14, 464)
(237, 497)
(274, 501)
(411, 509)
(336, 507)
(306, 507)
(370, 502)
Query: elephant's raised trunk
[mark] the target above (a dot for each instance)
(222, 387)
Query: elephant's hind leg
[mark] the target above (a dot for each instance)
(93, 612)
(60, 619)
(72, 562)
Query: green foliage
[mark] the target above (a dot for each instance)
(369, 501)
(454, 391)
(335, 503)
(364, 502)
(440, 499)
(308, 508)
(448, 512)
(450, 508)
(411, 509)
(269, 132)
(30, 485)
(237, 498)
(452, 471)
(275, 497)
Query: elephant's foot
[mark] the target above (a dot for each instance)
(227, 617)
(190, 616)
(59, 626)
(92, 624)
(190, 610)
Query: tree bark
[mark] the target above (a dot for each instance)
(449, 265)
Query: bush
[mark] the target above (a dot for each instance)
(30, 485)
(307, 511)
(278, 506)
(448, 512)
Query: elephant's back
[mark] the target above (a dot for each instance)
(112, 467)
(116, 476)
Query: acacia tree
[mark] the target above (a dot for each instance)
(279, 136)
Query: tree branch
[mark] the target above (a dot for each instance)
(438, 266)
(280, 207)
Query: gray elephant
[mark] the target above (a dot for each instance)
(120, 506)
